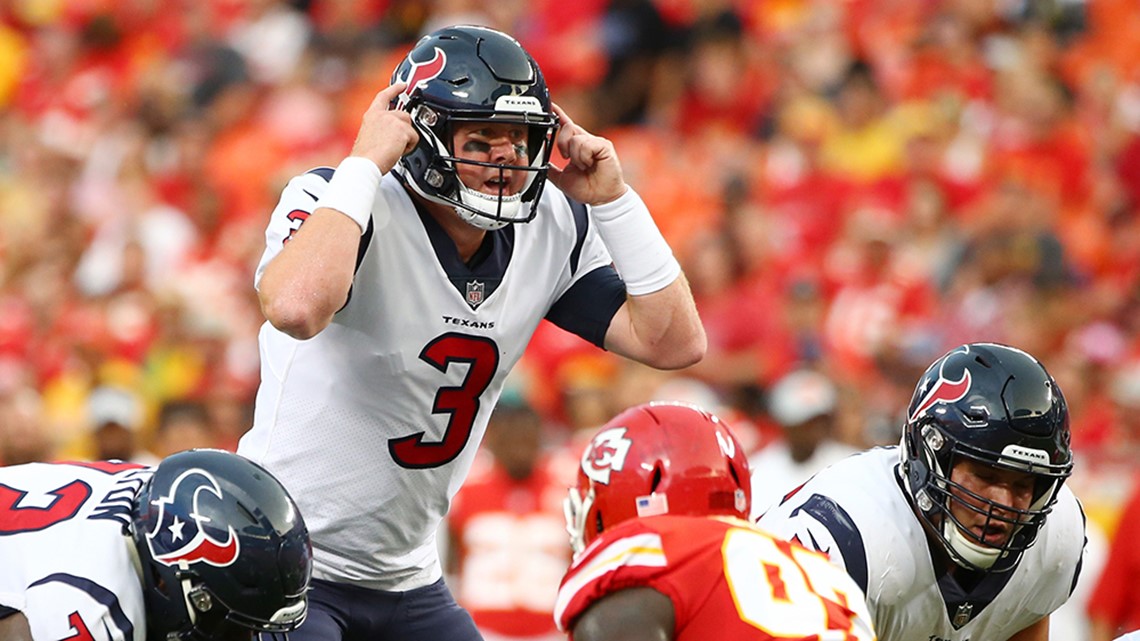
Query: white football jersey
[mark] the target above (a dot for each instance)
(856, 512)
(373, 423)
(66, 559)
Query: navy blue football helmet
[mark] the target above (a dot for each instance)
(997, 405)
(225, 553)
(466, 74)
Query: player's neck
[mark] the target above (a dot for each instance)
(467, 238)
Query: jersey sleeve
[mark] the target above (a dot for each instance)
(595, 291)
(296, 204)
(819, 523)
(627, 556)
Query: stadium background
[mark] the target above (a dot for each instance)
(857, 185)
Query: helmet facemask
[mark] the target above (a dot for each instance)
(576, 507)
(935, 493)
(438, 180)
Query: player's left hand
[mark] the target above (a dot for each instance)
(593, 175)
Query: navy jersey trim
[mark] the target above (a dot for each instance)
(101, 594)
(588, 306)
(477, 281)
(1084, 546)
(323, 172)
(581, 226)
(843, 530)
(6, 611)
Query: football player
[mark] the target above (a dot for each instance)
(402, 287)
(664, 551)
(206, 546)
(965, 530)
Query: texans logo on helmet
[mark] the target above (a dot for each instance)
(943, 390)
(190, 536)
(421, 73)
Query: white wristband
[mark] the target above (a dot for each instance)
(641, 255)
(352, 190)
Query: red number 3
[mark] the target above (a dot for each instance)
(68, 499)
(461, 403)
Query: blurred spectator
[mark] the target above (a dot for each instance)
(1114, 606)
(115, 416)
(804, 404)
(182, 425)
(23, 435)
(507, 533)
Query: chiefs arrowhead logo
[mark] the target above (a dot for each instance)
(606, 453)
(191, 537)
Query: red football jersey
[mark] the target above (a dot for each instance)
(727, 580)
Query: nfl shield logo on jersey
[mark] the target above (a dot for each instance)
(475, 293)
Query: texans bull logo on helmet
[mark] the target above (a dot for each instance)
(419, 75)
(943, 390)
(191, 537)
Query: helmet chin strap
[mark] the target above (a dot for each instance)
(504, 206)
(981, 556)
(484, 203)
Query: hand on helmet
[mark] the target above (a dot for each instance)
(593, 175)
(385, 134)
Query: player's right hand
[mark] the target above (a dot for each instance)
(385, 134)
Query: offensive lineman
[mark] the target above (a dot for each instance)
(402, 288)
(663, 550)
(205, 546)
(965, 531)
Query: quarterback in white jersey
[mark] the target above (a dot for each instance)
(401, 288)
(947, 534)
(112, 551)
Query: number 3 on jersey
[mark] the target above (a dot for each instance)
(792, 593)
(460, 403)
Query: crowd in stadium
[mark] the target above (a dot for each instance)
(852, 187)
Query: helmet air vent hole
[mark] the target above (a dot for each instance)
(656, 479)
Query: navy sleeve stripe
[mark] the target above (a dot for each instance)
(365, 241)
(843, 530)
(100, 594)
(581, 226)
(587, 308)
(323, 172)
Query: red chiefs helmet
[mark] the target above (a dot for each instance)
(657, 458)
